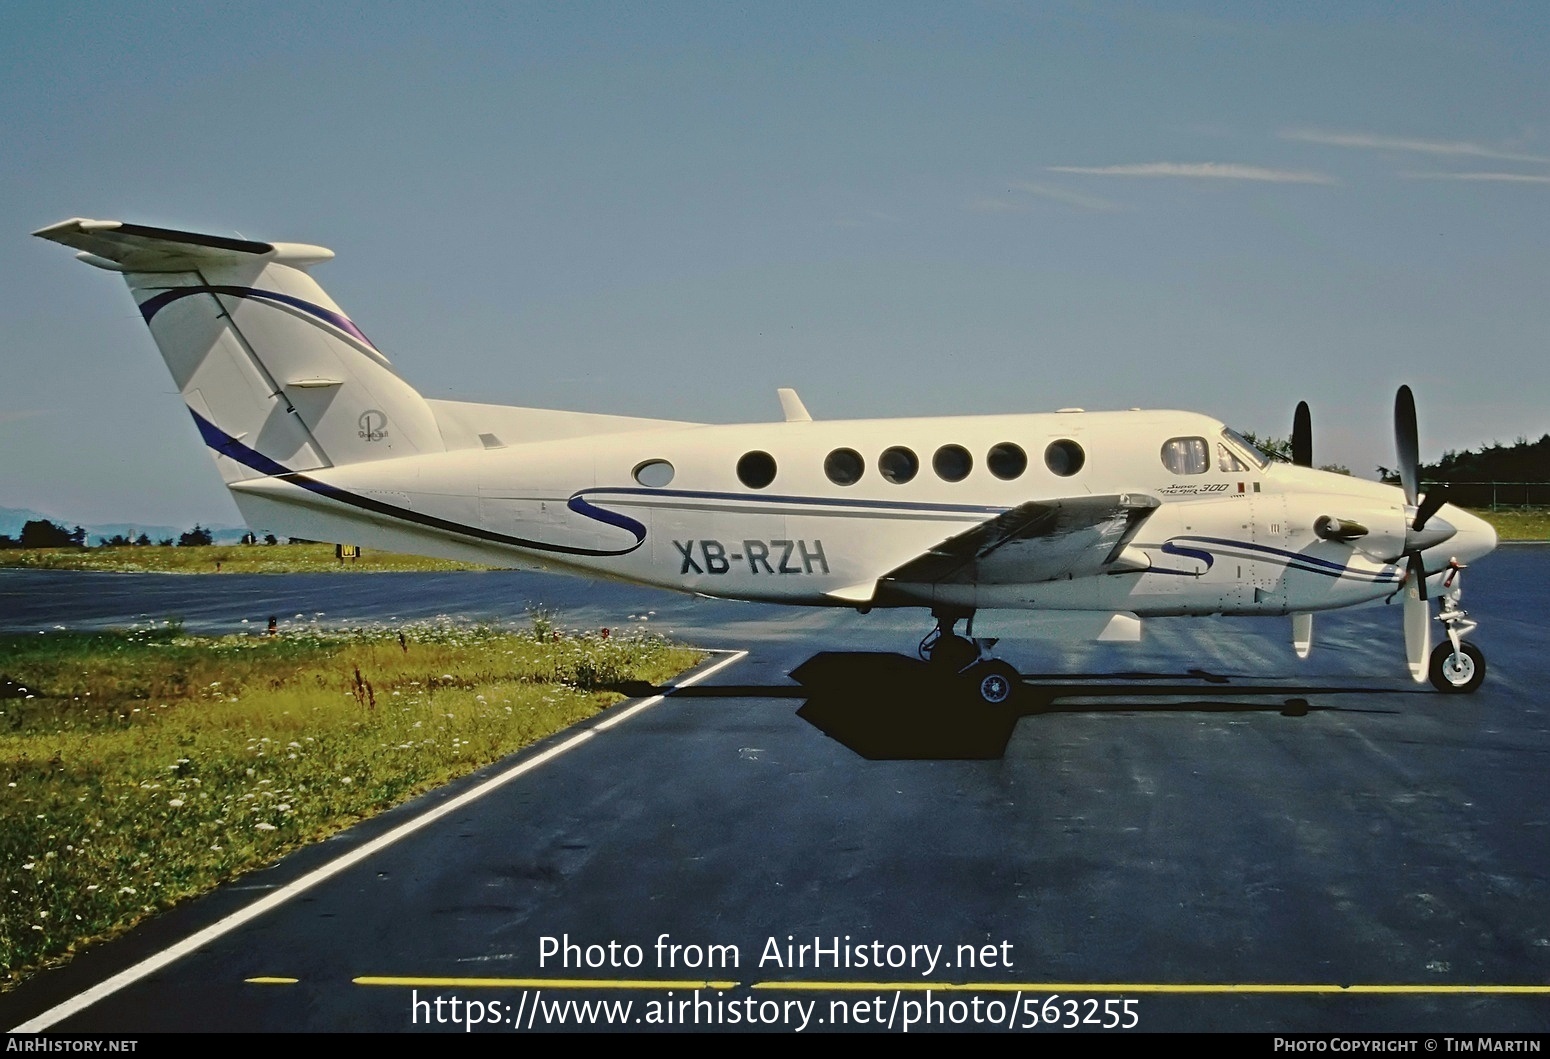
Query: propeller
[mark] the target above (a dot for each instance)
(1418, 628)
(1302, 456)
(1419, 513)
(1302, 435)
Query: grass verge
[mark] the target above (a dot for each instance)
(221, 558)
(140, 768)
(1519, 525)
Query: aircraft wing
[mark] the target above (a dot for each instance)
(1038, 541)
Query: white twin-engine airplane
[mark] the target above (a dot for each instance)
(1103, 517)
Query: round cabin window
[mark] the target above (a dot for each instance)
(756, 469)
(844, 466)
(1007, 461)
(1064, 457)
(952, 463)
(898, 465)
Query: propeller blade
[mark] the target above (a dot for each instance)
(1435, 498)
(1418, 635)
(1302, 435)
(1418, 629)
(1406, 445)
(1416, 569)
(1302, 634)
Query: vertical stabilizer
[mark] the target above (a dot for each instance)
(276, 376)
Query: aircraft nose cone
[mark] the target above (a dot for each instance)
(1474, 539)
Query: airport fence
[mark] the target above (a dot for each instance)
(1498, 495)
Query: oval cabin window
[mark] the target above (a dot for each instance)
(654, 473)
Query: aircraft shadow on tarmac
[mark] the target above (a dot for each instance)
(887, 706)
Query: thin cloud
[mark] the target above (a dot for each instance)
(1500, 178)
(1202, 171)
(1070, 198)
(16, 415)
(1371, 142)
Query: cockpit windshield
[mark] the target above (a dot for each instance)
(1244, 450)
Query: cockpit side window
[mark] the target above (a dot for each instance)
(1227, 461)
(1186, 455)
(1239, 446)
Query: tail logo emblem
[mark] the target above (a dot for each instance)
(372, 424)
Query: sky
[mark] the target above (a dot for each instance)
(672, 209)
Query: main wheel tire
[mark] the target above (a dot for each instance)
(1459, 672)
(994, 681)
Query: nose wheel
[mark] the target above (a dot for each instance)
(1457, 670)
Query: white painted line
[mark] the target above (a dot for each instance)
(152, 964)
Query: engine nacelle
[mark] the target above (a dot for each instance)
(1330, 528)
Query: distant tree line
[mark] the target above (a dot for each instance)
(1522, 461)
(1494, 475)
(41, 533)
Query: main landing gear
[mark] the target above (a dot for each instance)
(1456, 666)
(964, 659)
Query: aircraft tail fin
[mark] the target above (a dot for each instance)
(276, 376)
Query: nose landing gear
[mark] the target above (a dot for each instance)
(1456, 666)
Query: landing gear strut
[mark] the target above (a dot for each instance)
(944, 648)
(1457, 666)
(965, 658)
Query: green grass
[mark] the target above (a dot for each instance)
(1518, 525)
(140, 768)
(221, 558)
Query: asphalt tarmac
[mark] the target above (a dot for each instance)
(1198, 832)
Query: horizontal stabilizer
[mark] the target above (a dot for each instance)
(123, 247)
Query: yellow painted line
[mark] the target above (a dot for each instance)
(540, 983)
(271, 981)
(920, 986)
(1146, 987)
